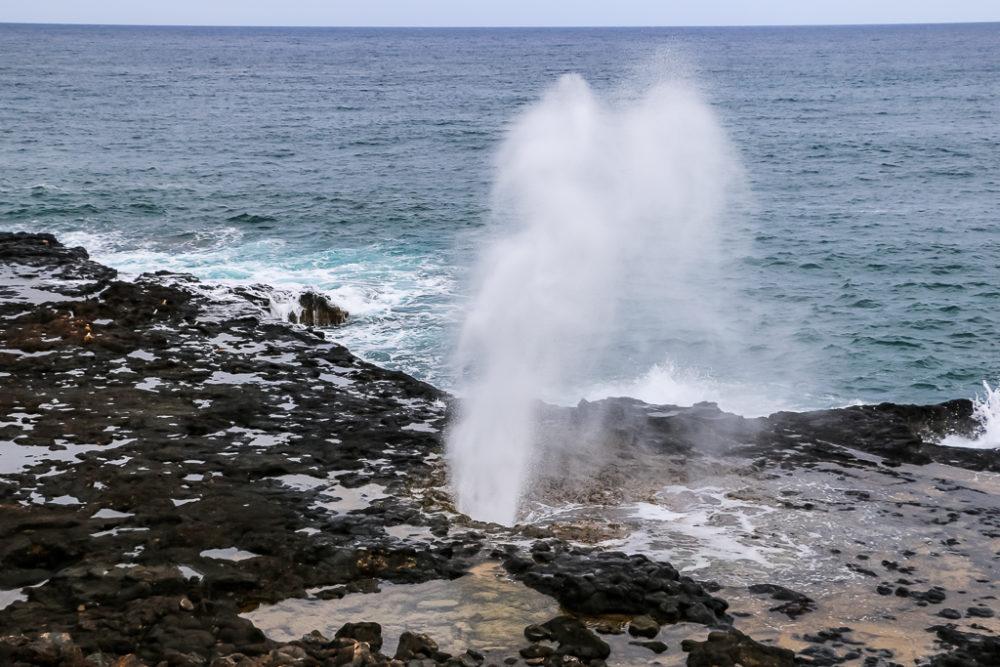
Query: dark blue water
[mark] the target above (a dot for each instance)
(862, 264)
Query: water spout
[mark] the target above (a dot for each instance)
(599, 205)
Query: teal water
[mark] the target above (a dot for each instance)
(861, 264)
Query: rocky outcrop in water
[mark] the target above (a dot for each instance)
(318, 311)
(172, 459)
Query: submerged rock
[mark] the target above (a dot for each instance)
(793, 604)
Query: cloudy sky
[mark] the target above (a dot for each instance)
(498, 12)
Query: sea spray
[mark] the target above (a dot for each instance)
(985, 411)
(607, 215)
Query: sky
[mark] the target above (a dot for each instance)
(497, 12)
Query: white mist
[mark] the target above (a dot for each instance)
(608, 215)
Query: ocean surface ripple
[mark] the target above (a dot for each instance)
(860, 267)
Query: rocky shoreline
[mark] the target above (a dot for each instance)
(173, 463)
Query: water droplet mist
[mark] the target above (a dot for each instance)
(607, 221)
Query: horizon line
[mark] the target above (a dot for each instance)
(487, 27)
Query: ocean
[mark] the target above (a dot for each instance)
(854, 258)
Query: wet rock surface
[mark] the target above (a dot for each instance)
(601, 582)
(172, 458)
(169, 462)
(862, 507)
(728, 649)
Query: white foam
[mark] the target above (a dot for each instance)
(233, 344)
(111, 514)
(21, 420)
(25, 285)
(422, 427)
(352, 498)
(118, 531)
(222, 377)
(301, 482)
(149, 384)
(15, 458)
(231, 553)
(986, 411)
(257, 438)
(9, 597)
(336, 380)
(386, 293)
(667, 383)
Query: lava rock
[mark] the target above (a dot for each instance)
(44, 251)
(536, 651)
(643, 626)
(654, 646)
(574, 639)
(968, 649)
(795, 604)
(536, 633)
(732, 648)
(415, 646)
(365, 631)
(934, 595)
(591, 582)
(979, 612)
(318, 311)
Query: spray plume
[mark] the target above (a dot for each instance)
(608, 215)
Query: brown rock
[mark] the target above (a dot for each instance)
(318, 311)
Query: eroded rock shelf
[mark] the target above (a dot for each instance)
(185, 480)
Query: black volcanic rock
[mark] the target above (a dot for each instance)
(575, 639)
(596, 583)
(793, 605)
(179, 416)
(317, 310)
(643, 626)
(46, 253)
(364, 631)
(413, 645)
(174, 458)
(969, 649)
(731, 648)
